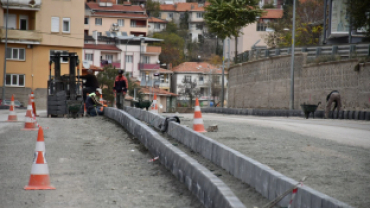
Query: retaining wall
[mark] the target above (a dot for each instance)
(265, 83)
(209, 189)
(268, 182)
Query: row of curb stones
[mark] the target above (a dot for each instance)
(208, 188)
(352, 115)
(265, 180)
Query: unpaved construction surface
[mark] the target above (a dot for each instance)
(93, 162)
(339, 170)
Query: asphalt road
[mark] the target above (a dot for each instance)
(335, 154)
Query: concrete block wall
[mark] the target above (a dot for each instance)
(269, 183)
(208, 188)
(265, 83)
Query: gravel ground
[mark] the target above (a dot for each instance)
(93, 162)
(338, 170)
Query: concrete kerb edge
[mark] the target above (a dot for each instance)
(267, 181)
(185, 168)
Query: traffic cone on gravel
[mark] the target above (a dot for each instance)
(30, 122)
(12, 114)
(39, 178)
(198, 124)
(154, 107)
(33, 104)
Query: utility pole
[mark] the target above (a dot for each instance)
(6, 48)
(223, 73)
(292, 62)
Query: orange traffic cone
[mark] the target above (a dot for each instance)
(30, 122)
(33, 104)
(39, 178)
(101, 101)
(12, 114)
(154, 108)
(198, 124)
(40, 143)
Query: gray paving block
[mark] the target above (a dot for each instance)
(205, 146)
(283, 184)
(272, 187)
(247, 170)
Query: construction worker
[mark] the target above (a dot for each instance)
(120, 89)
(92, 101)
(91, 83)
(333, 96)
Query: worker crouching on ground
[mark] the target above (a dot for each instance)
(333, 96)
(120, 89)
(91, 83)
(92, 101)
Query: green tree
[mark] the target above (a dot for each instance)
(152, 8)
(106, 80)
(359, 11)
(172, 48)
(188, 90)
(227, 17)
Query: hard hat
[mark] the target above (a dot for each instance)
(120, 71)
(99, 90)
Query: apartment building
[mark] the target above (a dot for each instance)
(207, 78)
(156, 25)
(253, 34)
(37, 29)
(193, 11)
(106, 16)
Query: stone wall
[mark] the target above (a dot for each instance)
(265, 83)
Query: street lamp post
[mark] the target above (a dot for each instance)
(6, 48)
(292, 62)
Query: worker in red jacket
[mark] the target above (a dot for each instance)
(120, 88)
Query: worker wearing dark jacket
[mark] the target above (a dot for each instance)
(120, 88)
(92, 102)
(91, 83)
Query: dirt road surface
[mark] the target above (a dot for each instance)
(93, 162)
(335, 154)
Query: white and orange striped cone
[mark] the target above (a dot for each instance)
(101, 101)
(40, 143)
(198, 124)
(39, 178)
(33, 104)
(29, 121)
(154, 107)
(12, 114)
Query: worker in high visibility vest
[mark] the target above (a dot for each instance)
(92, 103)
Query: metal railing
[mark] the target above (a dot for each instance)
(343, 51)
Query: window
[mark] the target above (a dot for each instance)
(133, 23)
(121, 22)
(66, 25)
(86, 20)
(16, 54)
(157, 26)
(128, 59)
(261, 26)
(201, 79)
(199, 15)
(187, 78)
(146, 59)
(199, 26)
(109, 57)
(216, 79)
(55, 24)
(98, 21)
(89, 57)
(170, 15)
(64, 53)
(16, 80)
(99, 34)
(12, 21)
(23, 22)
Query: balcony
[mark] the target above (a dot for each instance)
(33, 5)
(153, 50)
(148, 66)
(105, 63)
(164, 85)
(21, 36)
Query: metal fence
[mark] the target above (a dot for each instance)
(342, 51)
